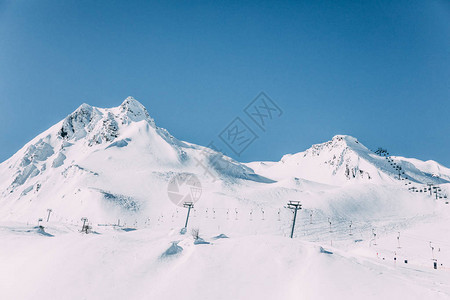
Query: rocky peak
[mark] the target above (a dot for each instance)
(134, 111)
(77, 123)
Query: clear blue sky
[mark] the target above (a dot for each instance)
(377, 70)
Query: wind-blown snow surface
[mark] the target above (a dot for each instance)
(359, 213)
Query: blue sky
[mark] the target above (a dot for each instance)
(379, 71)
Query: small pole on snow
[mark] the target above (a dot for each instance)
(49, 212)
(295, 205)
(350, 226)
(432, 250)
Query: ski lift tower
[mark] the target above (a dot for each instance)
(295, 205)
(84, 228)
(188, 205)
(430, 188)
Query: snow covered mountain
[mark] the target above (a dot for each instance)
(116, 157)
(102, 162)
(345, 160)
(370, 225)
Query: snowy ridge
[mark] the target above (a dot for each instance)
(344, 160)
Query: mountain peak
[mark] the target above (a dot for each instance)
(134, 110)
(74, 125)
(82, 107)
(338, 141)
(129, 99)
(344, 138)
